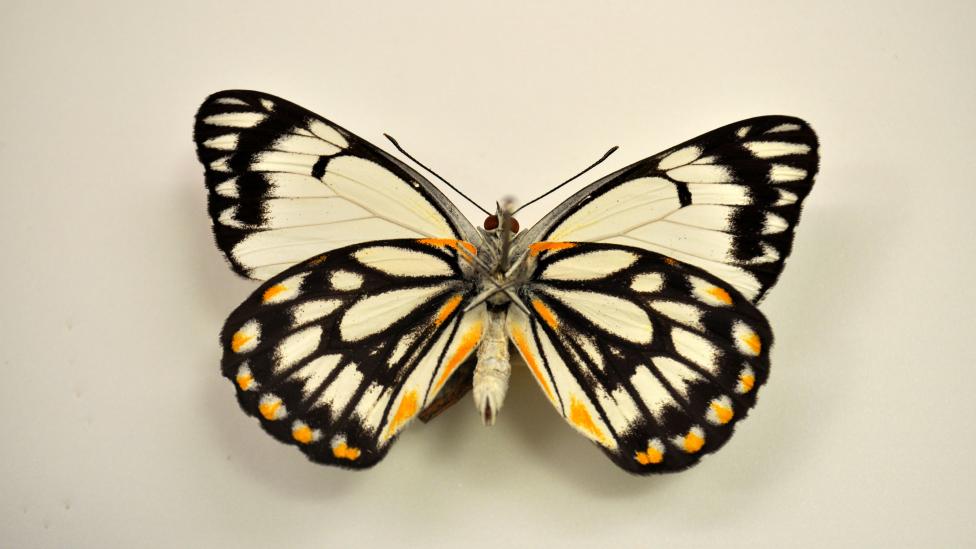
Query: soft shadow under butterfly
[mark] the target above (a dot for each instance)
(632, 303)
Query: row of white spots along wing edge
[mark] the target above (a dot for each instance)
(323, 132)
(760, 147)
(289, 143)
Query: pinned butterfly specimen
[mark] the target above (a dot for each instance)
(632, 303)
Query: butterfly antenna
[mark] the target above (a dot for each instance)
(564, 183)
(419, 163)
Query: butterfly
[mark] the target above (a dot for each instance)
(632, 303)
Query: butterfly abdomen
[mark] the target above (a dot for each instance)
(491, 374)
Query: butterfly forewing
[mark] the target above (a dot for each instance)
(652, 359)
(286, 184)
(337, 354)
(727, 202)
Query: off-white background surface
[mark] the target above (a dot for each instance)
(117, 430)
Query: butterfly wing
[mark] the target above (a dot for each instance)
(727, 201)
(286, 184)
(652, 359)
(337, 354)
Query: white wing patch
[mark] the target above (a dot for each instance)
(338, 394)
(390, 198)
(402, 262)
(589, 266)
(296, 347)
(311, 311)
(695, 349)
(652, 392)
(632, 204)
(373, 314)
(314, 374)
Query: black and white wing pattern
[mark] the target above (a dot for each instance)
(337, 354)
(653, 360)
(727, 201)
(286, 184)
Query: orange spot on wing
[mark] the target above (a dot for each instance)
(343, 451)
(447, 309)
(747, 382)
(545, 313)
(240, 339)
(519, 338)
(539, 247)
(752, 340)
(469, 341)
(244, 381)
(406, 410)
(269, 409)
(271, 292)
(692, 442)
(720, 294)
(652, 455)
(723, 414)
(302, 433)
(450, 243)
(672, 262)
(580, 417)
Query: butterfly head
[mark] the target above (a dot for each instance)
(493, 221)
(499, 229)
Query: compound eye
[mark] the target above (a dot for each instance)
(514, 225)
(491, 222)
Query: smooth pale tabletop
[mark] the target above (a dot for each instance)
(119, 430)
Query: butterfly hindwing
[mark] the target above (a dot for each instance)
(337, 354)
(286, 184)
(727, 201)
(652, 359)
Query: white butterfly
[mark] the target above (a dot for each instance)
(632, 303)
